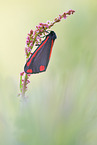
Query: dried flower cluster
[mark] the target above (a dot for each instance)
(34, 38)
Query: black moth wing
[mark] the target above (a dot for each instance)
(42, 58)
(40, 62)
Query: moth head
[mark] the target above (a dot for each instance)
(53, 35)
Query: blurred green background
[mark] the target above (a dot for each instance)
(62, 105)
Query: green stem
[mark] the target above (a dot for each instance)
(24, 86)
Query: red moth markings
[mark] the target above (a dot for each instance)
(42, 67)
(51, 49)
(37, 51)
(29, 71)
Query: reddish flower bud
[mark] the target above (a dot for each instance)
(60, 17)
(29, 49)
(40, 23)
(28, 38)
(28, 81)
(64, 16)
(34, 32)
(22, 73)
(31, 32)
(28, 75)
(31, 44)
(73, 11)
(70, 12)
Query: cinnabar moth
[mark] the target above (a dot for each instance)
(39, 59)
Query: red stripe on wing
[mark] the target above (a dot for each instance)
(28, 63)
(51, 48)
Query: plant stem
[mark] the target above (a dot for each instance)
(24, 86)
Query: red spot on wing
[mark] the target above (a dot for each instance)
(29, 71)
(28, 63)
(42, 67)
(51, 48)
